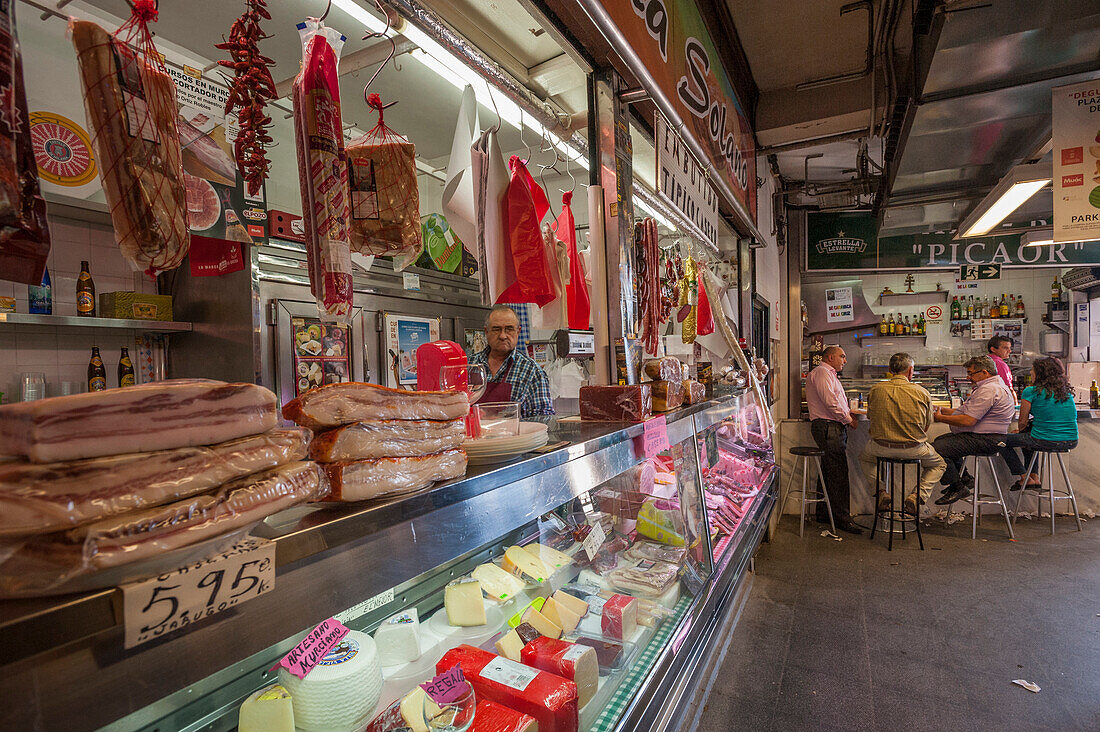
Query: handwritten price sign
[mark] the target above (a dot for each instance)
(655, 436)
(307, 654)
(174, 600)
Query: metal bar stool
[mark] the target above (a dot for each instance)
(1052, 495)
(807, 455)
(885, 471)
(984, 500)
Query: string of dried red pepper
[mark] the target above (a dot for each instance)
(249, 92)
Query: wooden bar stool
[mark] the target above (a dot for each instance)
(1052, 495)
(806, 455)
(885, 471)
(989, 499)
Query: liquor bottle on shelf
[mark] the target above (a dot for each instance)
(1020, 312)
(883, 327)
(908, 327)
(1004, 306)
(125, 369)
(892, 326)
(1056, 291)
(955, 312)
(923, 325)
(85, 292)
(40, 297)
(1094, 396)
(994, 308)
(97, 375)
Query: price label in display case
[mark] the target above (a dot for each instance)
(173, 600)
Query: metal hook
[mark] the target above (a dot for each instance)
(384, 33)
(496, 111)
(323, 15)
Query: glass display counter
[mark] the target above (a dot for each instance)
(593, 544)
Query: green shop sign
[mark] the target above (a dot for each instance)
(849, 241)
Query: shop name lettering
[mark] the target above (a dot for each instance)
(695, 199)
(977, 253)
(695, 93)
(841, 245)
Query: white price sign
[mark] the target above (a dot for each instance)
(176, 599)
(358, 611)
(410, 280)
(595, 539)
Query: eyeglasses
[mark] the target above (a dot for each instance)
(509, 329)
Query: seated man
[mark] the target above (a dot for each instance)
(901, 413)
(978, 427)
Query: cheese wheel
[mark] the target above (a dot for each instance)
(341, 691)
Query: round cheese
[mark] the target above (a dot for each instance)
(341, 692)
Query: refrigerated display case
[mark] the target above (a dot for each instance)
(364, 563)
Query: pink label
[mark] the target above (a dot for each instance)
(307, 654)
(656, 436)
(448, 687)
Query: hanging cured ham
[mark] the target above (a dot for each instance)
(322, 170)
(525, 205)
(649, 293)
(131, 104)
(24, 239)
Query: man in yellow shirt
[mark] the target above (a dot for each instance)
(901, 413)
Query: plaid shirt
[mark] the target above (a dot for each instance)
(530, 387)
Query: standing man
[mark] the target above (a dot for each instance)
(513, 376)
(978, 427)
(1000, 348)
(830, 419)
(901, 413)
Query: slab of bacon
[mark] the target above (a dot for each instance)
(378, 438)
(363, 480)
(335, 405)
(39, 499)
(158, 416)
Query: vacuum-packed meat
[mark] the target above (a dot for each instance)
(157, 416)
(616, 403)
(322, 170)
(378, 438)
(24, 238)
(39, 499)
(362, 480)
(334, 405)
(131, 106)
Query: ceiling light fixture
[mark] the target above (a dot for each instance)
(1038, 237)
(1021, 183)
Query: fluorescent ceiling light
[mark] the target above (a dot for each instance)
(1038, 238)
(1021, 183)
(357, 11)
(654, 213)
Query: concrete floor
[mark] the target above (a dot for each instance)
(847, 636)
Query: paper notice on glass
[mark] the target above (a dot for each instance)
(838, 305)
(458, 191)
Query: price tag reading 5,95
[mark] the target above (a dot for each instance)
(173, 600)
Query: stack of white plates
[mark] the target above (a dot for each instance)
(498, 449)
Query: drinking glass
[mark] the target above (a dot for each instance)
(471, 378)
(498, 419)
(32, 386)
(457, 716)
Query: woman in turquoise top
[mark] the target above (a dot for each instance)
(1048, 416)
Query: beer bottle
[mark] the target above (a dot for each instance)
(97, 375)
(125, 369)
(85, 292)
(1094, 396)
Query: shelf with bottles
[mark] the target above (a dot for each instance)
(902, 326)
(965, 309)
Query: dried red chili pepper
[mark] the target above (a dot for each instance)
(249, 92)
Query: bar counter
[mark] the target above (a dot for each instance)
(1083, 465)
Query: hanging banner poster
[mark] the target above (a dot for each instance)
(1076, 146)
(681, 181)
(403, 334)
(217, 205)
(671, 39)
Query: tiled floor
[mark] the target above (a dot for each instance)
(847, 636)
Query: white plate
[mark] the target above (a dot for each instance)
(518, 445)
(497, 456)
(475, 635)
(528, 431)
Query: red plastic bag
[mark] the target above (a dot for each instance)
(525, 205)
(704, 324)
(24, 238)
(131, 105)
(385, 200)
(577, 299)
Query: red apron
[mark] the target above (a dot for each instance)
(498, 391)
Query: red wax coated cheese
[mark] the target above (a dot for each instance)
(493, 717)
(550, 699)
(620, 617)
(568, 660)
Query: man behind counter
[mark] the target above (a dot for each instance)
(513, 376)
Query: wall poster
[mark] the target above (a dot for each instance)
(839, 305)
(403, 334)
(1076, 146)
(321, 354)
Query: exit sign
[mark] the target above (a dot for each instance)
(980, 272)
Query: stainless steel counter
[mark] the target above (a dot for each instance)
(328, 559)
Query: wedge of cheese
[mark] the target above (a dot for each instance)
(464, 604)
(412, 709)
(559, 614)
(551, 557)
(268, 710)
(574, 603)
(510, 645)
(541, 623)
(497, 584)
(525, 565)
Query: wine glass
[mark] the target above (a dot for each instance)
(456, 716)
(471, 378)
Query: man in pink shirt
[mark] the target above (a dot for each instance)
(830, 420)
(1000, 348)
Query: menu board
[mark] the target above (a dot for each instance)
(321, 354)
(403, 335)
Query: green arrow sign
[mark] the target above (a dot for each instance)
(980, 272)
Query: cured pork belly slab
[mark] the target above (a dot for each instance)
(378, 438)
(159, 416)
(336, 405)
(362, 480)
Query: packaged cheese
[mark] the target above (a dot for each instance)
(398, 638)
(577, 663)
(522, 563)
(268, 710)
(620, 617)
(497, 584)
(492, 717)
(464, 604)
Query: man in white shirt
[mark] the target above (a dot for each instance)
(830, 420)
